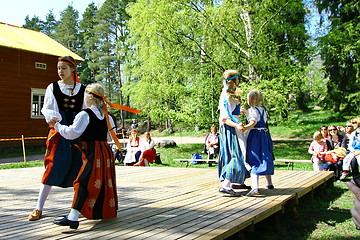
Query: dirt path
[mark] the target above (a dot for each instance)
(178, 140)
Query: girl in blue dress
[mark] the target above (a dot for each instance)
(231, 167)
(259, 145)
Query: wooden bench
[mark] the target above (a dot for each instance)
(290, 162)
(208, 161)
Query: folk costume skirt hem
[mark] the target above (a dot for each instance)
(95, 188)
(150, 155)
(231, 161)
(62, 160)
(260, 152)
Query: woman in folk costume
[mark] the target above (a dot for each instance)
(148, 154)
(133, 149)
(231, 167)
(95, 194)
(63, 100)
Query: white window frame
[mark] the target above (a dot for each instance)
(38, 105)
(40, 65)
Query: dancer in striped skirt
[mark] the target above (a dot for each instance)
(95, 194)
(231, 167)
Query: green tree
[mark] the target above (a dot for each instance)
(34, 23)
(186, 45)
(110, 36)
(50, 24)
(340, 50)
(67, 31)
(86, 26)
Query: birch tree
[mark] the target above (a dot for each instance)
(186, 45)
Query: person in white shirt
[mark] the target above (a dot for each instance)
(231, 165)
(63, 100)
(148, 154)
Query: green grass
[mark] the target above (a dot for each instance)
(22, 165)
(303, 125)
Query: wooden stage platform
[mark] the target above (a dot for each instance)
(154, 203)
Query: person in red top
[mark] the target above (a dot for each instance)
(148, 154)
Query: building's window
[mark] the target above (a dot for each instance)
(37, 102)
(40, 65)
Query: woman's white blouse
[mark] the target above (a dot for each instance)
(79, 125)
(147, 145)
(50, 108)
(230, 106)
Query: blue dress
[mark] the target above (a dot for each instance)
(259, 147)
(231, 160)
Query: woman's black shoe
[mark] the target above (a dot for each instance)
(239, 186)
(66, 222)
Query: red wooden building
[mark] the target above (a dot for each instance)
(28, 64)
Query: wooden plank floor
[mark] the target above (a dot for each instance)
(154, 203)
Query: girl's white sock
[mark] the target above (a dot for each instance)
(73, 215)
(43, 194)
(226, 184)
(254, 181)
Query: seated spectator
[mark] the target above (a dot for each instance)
(348, 129)
(324, 131)
(212, 143)
(335, 139)
(354, 163)
(333, 161)
(317, 149)
(354, 148)
(148, 151)
(133, 149)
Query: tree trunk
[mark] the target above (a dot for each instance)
(148, 127)
(168, 125)
(120, 92)
(336, 107)
(249, 32)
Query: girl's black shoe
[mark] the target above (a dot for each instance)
(229, 191)
(66, 222)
